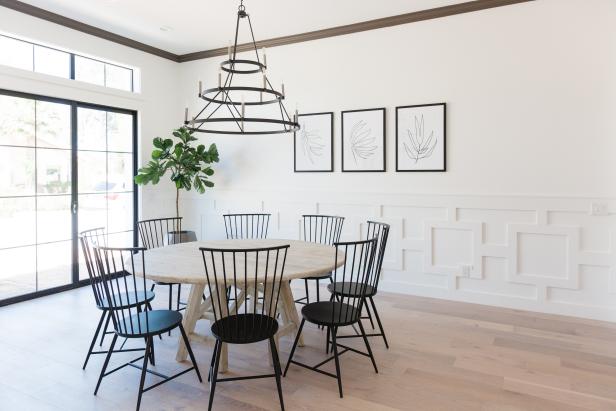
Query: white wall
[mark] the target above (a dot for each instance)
(531, 128)
(157, 103)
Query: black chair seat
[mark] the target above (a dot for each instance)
(245, 328)
(158, 322)
(126, 300)
(348, 289)
(330, 313)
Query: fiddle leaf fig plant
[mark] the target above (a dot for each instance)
(190, 166)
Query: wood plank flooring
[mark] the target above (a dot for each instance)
(444, 356)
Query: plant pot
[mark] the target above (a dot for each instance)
(184, 236)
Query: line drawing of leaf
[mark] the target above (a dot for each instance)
(363, 143)
(311, 144)
(419, 146)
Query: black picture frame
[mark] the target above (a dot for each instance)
(444, 145)
(330, 140)
(342, 138)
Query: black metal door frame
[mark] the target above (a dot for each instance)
(74, 105)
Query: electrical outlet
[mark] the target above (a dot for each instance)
(599, 209)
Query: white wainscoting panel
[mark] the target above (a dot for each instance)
(525, 252)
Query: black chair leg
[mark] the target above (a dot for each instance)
(179, 293)
(94, 338)
(106, 363)
(335, 347)
(318, 292)
(170, 301)
(369, 314)
(306, 286)
(363, 334)
(148, 349)
(211, 370)
(277, 370)
(190, 352)
(378, 320)
(329, 330)
(299, 332)
(152, 358)
(152, 288)
(104, 331)
(214, 377)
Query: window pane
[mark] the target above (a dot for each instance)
(52, 62)
(54, 264)
(53, 218)
(90, 71)
(119, 132)
(17, 171)
(92, 211)
(92, 171)
(120, 174)
(118, 77)
(18, 274)
(91, 129)
(16, 121)
(18, 222)
(53, 171)
(53, 125)
(120, 216)
(120, 239)
(15, 53)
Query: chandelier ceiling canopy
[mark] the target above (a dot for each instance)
(246, 85)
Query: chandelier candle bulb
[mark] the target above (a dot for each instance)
(264, 81)
(200, 88)
(282, 90)
(186, 115)
(219, 79)
(264, 57)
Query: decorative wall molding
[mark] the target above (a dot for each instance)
(498, 235)
(565, 261)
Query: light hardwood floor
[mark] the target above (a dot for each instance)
(444, 356)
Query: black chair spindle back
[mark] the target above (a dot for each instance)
(239, 270)
(380, 231)
(90, 239)
(246, 226)
(322, 229)
(123, 289)
(157, 232)
(359, 258)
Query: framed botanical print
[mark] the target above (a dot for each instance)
(313, 143)
(363, 140)
(420, 138)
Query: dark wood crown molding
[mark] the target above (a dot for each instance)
(85, 28)
(416, 16)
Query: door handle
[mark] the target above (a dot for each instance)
(74, 207)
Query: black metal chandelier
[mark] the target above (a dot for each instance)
(224, 113)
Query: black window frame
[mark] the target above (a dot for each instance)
(72, 64)
(74, 105)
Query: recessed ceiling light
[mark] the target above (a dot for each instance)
(166, 28)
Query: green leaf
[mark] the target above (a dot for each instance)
(158, 143)
(156, 154)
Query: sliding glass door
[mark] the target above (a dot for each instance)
(64, 167)
(105, 191)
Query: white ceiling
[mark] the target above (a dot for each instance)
(184, 26)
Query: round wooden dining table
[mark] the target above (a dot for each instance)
(183, 263)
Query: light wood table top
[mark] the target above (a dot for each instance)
(183, 263)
